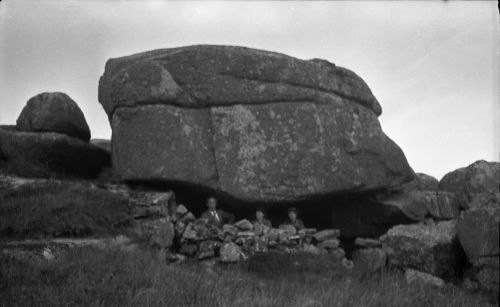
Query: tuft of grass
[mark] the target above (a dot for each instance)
(278, 265)
(60, 209)
(92, 277)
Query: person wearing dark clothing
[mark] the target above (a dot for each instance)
(260, 218)
(216, 217)
(293, 219)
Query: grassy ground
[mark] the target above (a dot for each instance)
(55, 209)
(91, 277)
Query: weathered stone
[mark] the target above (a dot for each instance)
(422, 182)
(329, 244)
(429, 248)
(230, 252)
(257, 125)
(368, 260)
(478, 231)
(189, 249)
(326, 234)
(164, 234)
(246, 234)
(348, 264)
(244, 225)
(311, 248)
(486, 272)
(367, 242)
(476, 186)
(189, 232)
(414, 276)
(261, 229)
(181, 210)
(289, 229)
(44, 154)
(53, 112)
(336, 253)
(419, 204)
(229, 229)
(207, 249)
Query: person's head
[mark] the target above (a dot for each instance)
(292, 214)
(260, 214)
(212, 203)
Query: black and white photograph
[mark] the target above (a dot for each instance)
(249, 153)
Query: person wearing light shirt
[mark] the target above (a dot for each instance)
(214, 216)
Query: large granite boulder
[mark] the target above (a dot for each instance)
(476, 186)
(478, 231)
(257, 125)
(46, 154)
(53, 112)
(433, 248)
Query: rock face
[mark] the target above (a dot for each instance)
(42, 154)
(53, 112)
(422, 182)
(478, 231)
(418, 205)
(257, 125)
(433, 249)
(476, 186)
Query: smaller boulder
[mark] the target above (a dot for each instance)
(478, 231)
(329, 244)
(476, 186)
(53, 112)
(244, 225)
(230, 252)
(289, 229)
(367, 242)
(326, 234)
(432, 248)
(414, 276)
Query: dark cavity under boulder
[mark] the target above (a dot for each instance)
(257, 126)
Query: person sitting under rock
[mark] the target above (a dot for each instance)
(260, 218)
(293, 220)
(214, 216)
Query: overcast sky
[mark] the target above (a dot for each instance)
(432, 65)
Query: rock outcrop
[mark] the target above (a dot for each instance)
(476, 186)
(53, 112)
(257, 125)
(422, 182)
(478, 231)
(49, 154)
(433, 248)
(418, 205)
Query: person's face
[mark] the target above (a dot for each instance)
(259, 215)
(212, 203)
(292, 216)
